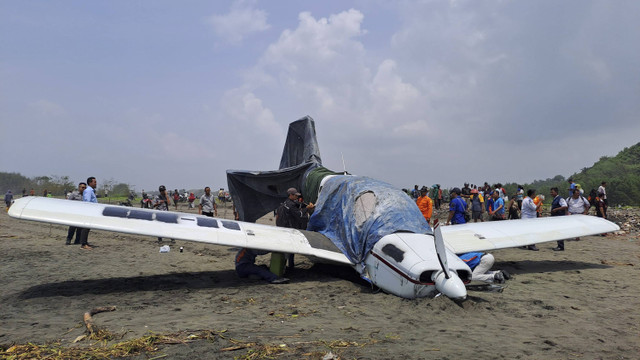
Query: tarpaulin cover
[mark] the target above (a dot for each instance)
(301, 145)
(335, 214)
(256, 193)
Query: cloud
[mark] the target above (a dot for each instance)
(241, 21)
(47, 109)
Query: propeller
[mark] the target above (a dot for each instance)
(447, 282)
(440, 249)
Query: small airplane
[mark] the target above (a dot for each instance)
(358, 221)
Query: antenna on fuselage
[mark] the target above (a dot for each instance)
(344, 166)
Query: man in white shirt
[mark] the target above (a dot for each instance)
(529, 211)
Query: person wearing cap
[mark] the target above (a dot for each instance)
(295, 215)
(162, 202)
(457, 208)
(477, 205)
(208, 205)
(425, 204)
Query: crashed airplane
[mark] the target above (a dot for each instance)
(365, 223)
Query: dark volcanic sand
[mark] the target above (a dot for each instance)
(579, 304)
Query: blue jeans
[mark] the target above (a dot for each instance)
(247, 269)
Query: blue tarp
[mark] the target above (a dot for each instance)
(335, 218)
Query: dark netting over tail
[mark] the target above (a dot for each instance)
(256, 193)
(301, 145)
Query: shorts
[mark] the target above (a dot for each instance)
(476, 215)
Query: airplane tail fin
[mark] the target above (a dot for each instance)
(301, 145)
(256, 193)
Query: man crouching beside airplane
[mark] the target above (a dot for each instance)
(481, 263)
(246, 267)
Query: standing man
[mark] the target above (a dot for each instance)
(439, 198)
(8, 199)
(559, 208)
(176, 198)
(208, 205)
(161, 202)
(602, 193)
(425, 204)
(572, 186)
(477, 205)
(466, 193)
(77, 196)
(88, 195)
(530, 211)
(293, 214)
(497, 213)
(457, 208)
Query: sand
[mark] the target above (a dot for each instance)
(579, 304)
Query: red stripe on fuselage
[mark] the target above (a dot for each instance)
(399, 271)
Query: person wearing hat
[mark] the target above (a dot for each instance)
(457, 208)
(425, 204)
(293, 214)
(161, 202)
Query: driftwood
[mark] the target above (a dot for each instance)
(88, 319)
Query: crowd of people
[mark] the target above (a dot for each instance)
(491, 203)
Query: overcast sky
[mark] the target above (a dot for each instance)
(409, 92)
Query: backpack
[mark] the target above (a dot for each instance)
(281, 216)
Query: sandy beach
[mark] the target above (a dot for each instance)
(582, 303)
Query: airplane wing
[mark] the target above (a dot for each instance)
(174, 225)
(513, 233)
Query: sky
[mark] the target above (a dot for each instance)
(408, 92)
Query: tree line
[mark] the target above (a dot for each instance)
(55, 185)
(621, 172)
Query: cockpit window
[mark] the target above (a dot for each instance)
(364, 206)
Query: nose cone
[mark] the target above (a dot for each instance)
(452, 287)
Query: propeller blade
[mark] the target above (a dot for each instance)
(441, 250)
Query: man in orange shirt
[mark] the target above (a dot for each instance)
(425, 204)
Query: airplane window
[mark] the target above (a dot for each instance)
(167, 217)
(141, 215)
(207, 222)
(364, 207)
(115, 212)
(231, 225)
